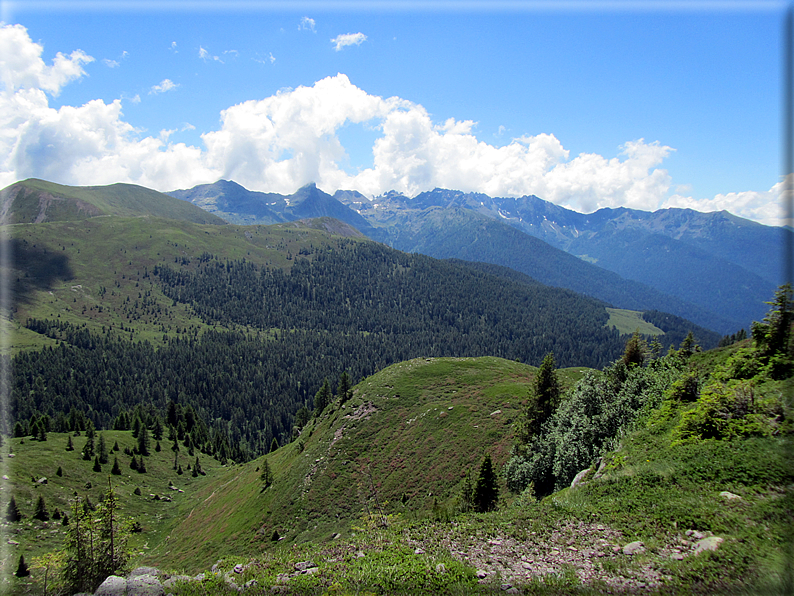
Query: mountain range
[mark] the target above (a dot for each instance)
(715, 269)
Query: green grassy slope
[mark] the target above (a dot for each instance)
(36, 201)
(95, 271)
(406, 437)
(34, 460)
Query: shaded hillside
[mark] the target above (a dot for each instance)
(722, 264)
(461, 233)
(38, 201)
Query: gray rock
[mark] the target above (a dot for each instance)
(419, 551)
(144, 571)
(251, 583)
(634, 548)
(112, 586)
(238, 568)
(171, 581)
(506, 587)
(441, 568)
(304, 565)
(481, 574)
(578, 478)
(729, 495)
(144, 585)
(601, 465)
(709, 543)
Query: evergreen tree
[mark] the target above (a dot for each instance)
(41, 512)
(134, 463)
(273, 445)
(157, 430)
(69, 446)
(267, 475)
(343, 390)
(88, 448)
(116, 446)
(543, 400)
(22, 568)
(636, 348)
(102, 450)
(486, 490)
(97, 465)
(143, 440)
(773, 335)
(136, 427)
(116, 469)
(141, 466)
(322, 398)
(12, 512)
(59, 471)
(688, 346)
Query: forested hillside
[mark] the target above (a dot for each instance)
(354, 307)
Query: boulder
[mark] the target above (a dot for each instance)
(729, 495)
(578, 478)
(709, 543)
(112, 586)
(144, 585)
(634, 548)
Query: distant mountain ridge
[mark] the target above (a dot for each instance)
(713, 268)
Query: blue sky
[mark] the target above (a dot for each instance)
(639, 104)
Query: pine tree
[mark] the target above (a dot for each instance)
(322, 398)
(636, 348)
(97, 465)
(12, 512)
(143, 440)
(343, 390)
(688, 346)
(88, 448)
(116, 469)
(134, 463)
(486, 490)
(543, 400)
(267, 475)
(41, 513)
(22, 568)
(69, 446)
(273, 445)
(59, 471)
(102, 450)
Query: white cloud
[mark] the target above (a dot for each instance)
(281, 142)
(307, 23)
(348, 39)
(21, 66)
(163, 86)
(205, 55)
(173, 47)
(762, 206)
(111, 63)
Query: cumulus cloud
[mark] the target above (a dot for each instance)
(762, 206)
(163, 86)
(307, 23)
(348, 39)
(22, 68)
(284, 141)
(111, 63)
